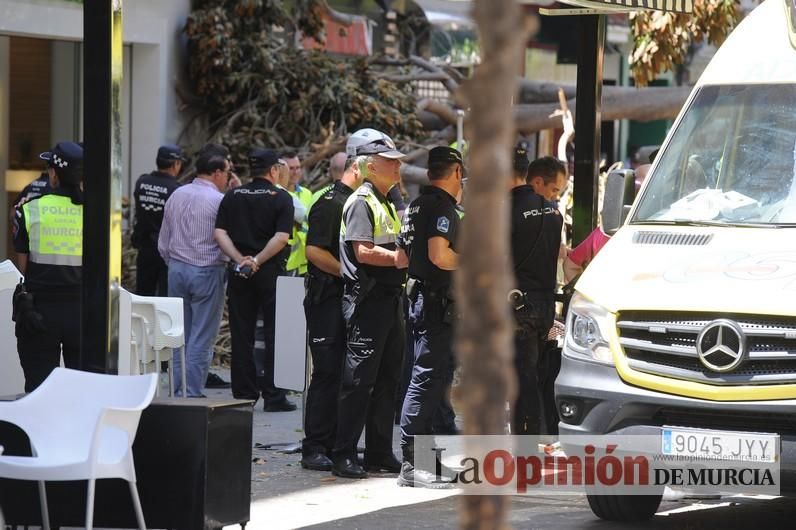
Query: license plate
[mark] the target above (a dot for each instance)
(720, 445)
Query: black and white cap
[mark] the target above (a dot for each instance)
(65, 156)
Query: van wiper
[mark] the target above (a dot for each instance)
(683, 222)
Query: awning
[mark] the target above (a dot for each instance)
(624, 6)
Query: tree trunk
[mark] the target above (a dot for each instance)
(484, 335)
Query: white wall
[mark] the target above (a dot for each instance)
(154, 63)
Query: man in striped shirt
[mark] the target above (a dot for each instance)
(196, 264)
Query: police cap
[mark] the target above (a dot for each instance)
(65, 157)
(521, 161)
(443, 154)
(260, 158)
(170, 153)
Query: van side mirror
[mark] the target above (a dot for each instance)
(620, 190)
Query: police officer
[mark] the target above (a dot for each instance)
(373, 273)
(428, 235)
(35, 188)
(151, 192)
(252, 228)
(48, 235)
(325, 324)
(302, 200)
(535, 240)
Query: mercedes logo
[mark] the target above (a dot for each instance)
(721, 345)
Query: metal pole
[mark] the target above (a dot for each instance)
(587, 125)
(102, 214)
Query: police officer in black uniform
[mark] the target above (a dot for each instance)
(48, 236)
(325, 324)
(252, 228)
(151, 192)
(36, 188)
(373, 271)
(428, 236)
(535, 240)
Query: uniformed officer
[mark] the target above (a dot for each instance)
(535, 240)
(36, 188)
(428, 235)
(302, 198)
(325, 324)
(48, 235)
(252, 228)
(373, 273)
(151, 192)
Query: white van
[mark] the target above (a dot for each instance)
(687, 317)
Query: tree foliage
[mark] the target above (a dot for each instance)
(259, 88)
(662, 40)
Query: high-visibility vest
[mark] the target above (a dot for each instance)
(298, 238)
(386, 224)
(55, 230)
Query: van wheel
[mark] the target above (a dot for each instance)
(624, 508)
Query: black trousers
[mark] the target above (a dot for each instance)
(374, 353)
(327, 340)
(530, 337)
(433, 356)
(40, 353)
(246, 296)
(152, 273)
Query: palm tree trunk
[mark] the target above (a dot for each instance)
(484, 339)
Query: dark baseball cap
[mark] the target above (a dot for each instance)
(170, 152)
(64, 157)
(260, 158)
(521, 161)
(443, 155)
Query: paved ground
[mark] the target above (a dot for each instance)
(286, 496)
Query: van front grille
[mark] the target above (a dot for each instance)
(665, 344)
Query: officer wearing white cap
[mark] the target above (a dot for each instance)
(48, 236)
(151, 192)
(373, 272)
(326, 332)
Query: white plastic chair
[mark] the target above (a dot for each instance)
(162, 317)
(91, 438)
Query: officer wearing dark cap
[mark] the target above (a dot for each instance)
(48, 236)
(428, 236)
(151, 192)
(535, 240)
(326, 333)
(252, 228)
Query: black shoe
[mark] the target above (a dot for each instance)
(420, 478)
(348, 468)
(316, 462)
(387, 464)
(214, 381)
(281, 406)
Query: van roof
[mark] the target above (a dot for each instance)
(760, 50)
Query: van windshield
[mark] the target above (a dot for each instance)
(731, 160)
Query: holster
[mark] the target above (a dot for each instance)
(321, 286)
(412, 288)
(23, 312)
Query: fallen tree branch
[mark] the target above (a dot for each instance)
(443, 110)
(428, 66)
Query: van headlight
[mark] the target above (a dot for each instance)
(588, 329)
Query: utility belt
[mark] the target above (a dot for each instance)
(416, 286)
(322, 286)
(536, 306)
(366, 286)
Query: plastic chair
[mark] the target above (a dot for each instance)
(163, 318)
(90, 439)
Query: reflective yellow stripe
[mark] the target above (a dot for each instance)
(386, 225)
